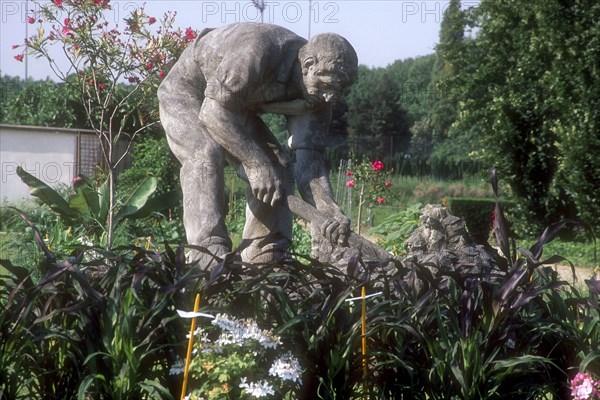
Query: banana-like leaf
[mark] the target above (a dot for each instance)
(103, 201)
(46, 194)
(158, 203)
(85, 201)
(138, 198)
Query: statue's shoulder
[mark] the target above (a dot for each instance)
(251, 34)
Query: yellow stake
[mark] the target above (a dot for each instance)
(189, 349)
(364, 339)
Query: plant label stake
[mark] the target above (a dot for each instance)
(363, 297)
(189, 349)
(364, 338)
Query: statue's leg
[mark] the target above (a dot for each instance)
(202, 181)
(268, 230)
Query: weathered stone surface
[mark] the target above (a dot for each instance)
(442, 240)
(209, 106)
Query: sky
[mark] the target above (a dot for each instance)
(381, 31)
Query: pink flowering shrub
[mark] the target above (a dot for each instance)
(373, 182)
(584, 387)
(116, 67)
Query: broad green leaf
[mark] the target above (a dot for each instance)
(103, 201)
(137, 199)
(46, 194)
(158, 203)
(85, 200)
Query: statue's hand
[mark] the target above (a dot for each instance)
(336, 229)
(266, 184)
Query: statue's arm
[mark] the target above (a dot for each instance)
(245, 136)
(290, 108)
(312, 177)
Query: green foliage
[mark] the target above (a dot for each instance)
(523, 84)
(376, 122)
(277, 125)
(239, 359)
(301, 239)
(88, 205)
(477, 213)
(396, 229)
(92, 324)
(40, 103)
(151, 156)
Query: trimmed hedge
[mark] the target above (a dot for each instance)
(477, 213)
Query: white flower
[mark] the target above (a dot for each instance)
(239, 331)
(287, 367)
(257, 389)
(585, 389)
(177, 368)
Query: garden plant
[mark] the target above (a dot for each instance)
(85, 322)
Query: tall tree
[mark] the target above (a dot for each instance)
(377, 123)
(527, 86)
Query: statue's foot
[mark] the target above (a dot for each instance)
(268, 253)
(205, 260)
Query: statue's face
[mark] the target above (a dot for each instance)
(321, 87)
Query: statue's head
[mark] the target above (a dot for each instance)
(329, 64)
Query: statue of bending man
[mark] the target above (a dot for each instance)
(209, 106)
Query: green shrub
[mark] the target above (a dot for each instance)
(395, 229)
(477, 214)
(90, 324)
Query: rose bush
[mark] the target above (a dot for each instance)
(373, 181)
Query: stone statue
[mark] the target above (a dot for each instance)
(209, 106)
(443, 240)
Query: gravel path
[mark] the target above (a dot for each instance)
(580, 273)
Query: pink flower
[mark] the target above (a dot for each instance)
(77, 181)
(350, 183)
(149, 65)
(15, 46)
(151, 20)
(19, 57)
(31, 20)
(388, 184)
(57, 2)
(377, 165)
(583, 387)
(348, 173)
(101, 86)
(380, 200)
(190, 34)
(67, 28)
(162, 74)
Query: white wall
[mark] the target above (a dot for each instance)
(49, 155)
